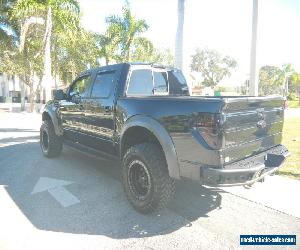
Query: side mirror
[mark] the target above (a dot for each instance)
(59, 95)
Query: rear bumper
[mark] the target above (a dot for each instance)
(247, 171)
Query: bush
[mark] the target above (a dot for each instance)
(292, 97)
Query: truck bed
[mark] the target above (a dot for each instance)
(214, 131)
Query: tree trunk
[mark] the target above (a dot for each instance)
(56, 81)
(179, 36)
(73, 72)
(31, 87)
(56, 69)
(47, 78)
(24, 30)
(253, 81)
(127, 49)
(127, 59)
(22, 87)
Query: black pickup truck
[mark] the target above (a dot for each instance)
(143, 116)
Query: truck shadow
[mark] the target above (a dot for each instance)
(103, 207)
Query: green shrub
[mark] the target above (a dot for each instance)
(292, 97)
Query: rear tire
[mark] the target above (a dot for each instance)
(51, 144)
(146, 181)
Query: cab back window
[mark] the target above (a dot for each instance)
(160, 83)
(140, 82)
(177, 83)
(145, 82)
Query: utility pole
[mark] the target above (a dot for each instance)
(253, 71)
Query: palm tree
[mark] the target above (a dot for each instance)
(129, 28)
(179, 36)
(142, 50)
(57, 13)
(108, 43)
(9, 29)
(65, 14)
(9, 39)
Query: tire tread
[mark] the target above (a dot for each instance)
(164, 186)
(55, 142)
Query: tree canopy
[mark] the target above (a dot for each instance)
(294, 84)
(212, 66)
(128, 28)
(45, 38)
(271, 79)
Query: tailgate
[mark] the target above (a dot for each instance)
(251, 125)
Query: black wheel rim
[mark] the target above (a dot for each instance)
(139, 180)
(45, 141)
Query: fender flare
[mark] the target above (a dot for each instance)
(51, 111)
(162, 136)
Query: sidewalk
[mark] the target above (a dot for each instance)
(277, 192)
(16, 107)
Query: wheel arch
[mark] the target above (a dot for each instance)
(149, 125)
(49, 114)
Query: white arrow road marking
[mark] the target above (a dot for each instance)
(63, 196)
(56, 189)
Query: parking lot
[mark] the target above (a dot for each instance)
(77, 202)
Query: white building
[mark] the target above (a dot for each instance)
(10, 89)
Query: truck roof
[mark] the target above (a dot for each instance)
(120, 65)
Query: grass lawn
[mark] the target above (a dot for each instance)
(293, 104)
(291, 139)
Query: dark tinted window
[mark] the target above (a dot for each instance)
(177, 83)
(140, 82)
(160, 82)
(80, 86)
(103, 85)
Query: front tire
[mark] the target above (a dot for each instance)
(146, 181)
(51, 144)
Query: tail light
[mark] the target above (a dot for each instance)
(209, 126)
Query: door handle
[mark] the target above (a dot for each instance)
(76, 99)
(107, 109)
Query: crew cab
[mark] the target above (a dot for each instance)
(143, 116)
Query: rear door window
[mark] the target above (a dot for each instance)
(141, 82)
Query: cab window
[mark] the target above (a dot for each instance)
(80, 86)
(160, 83)
(140, 82)
(177, 83)
(103, 85)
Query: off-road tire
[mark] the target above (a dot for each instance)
(53, 146)
(162, 187)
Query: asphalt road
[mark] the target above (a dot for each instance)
(77, 202)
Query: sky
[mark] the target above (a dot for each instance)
(216, 24)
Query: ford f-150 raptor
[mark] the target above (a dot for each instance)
(143, 116)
